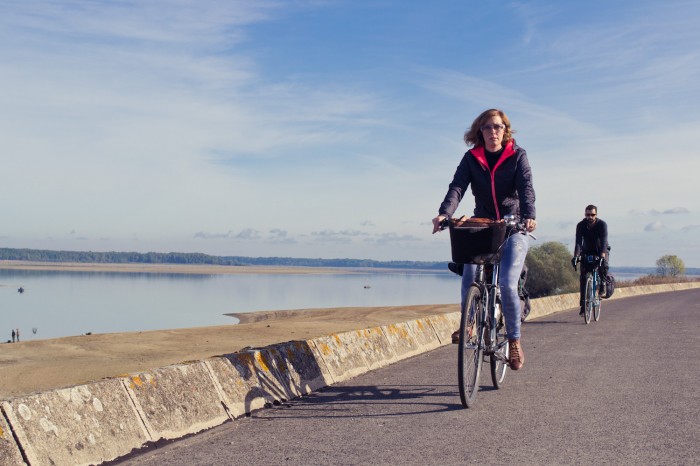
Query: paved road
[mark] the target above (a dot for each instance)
(620, 391)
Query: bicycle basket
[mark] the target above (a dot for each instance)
(476, 241)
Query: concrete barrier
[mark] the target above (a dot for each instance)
(301, 366)
(101, 421)
(444, 325)
(86, 424)
(551, 304)
(376, 348)
(236, 378)
(424, 334)
(10, 454)
(176, 400)
(402, 340)
(544, 306)
(274, 374)
(627, 292)
(342, 355)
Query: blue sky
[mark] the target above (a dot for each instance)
(326, 128)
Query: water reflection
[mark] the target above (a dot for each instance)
(72, 303)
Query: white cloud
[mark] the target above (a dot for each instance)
(654, 226)
(676, 210)
(248, 234)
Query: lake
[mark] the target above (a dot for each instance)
(59, 304)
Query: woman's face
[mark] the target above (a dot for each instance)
(492, 131)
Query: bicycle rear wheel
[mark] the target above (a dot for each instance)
(590, 292)
(469, 359)
(499, 359)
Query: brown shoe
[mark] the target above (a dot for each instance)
(517, 356)
(455, 335)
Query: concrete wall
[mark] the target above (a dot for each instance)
(104, 420)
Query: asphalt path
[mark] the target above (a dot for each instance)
(623, 390)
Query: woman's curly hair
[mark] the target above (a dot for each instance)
(474, 137)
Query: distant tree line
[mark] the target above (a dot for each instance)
(112, 257)
(549, 267)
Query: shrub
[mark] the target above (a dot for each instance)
(550, 271)
(670, 266)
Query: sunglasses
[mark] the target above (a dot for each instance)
(489, 128)
(590, 215)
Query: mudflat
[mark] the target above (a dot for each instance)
(32, 366)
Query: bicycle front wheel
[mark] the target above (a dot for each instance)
(499, 358)
(469, 359)
(590, 297)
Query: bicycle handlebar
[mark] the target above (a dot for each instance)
(508, 219)
(598, 260)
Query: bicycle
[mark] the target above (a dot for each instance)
(482, 331)
(592, 298)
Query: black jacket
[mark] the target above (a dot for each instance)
(507, 190)
(592, 240)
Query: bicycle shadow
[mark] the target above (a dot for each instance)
(371, 400)
(549, 322)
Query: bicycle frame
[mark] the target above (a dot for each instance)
(482, 327)
(491, 296)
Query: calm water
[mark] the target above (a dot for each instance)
(60, 304)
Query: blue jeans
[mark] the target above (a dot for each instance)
(512, 262)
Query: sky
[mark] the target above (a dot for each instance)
(332, 128)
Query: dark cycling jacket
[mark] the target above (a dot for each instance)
(592, 240)
(507, 190)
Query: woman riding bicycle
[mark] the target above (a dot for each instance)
(501, 181)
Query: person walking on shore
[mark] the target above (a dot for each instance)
(17, 335)
(501, 181)
(13, 335)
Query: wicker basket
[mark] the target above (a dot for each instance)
(477, 241)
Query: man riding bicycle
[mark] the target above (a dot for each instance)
(591, 240)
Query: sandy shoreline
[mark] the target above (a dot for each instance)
(41, 365)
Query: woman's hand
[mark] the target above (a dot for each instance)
(436, 222)
(530, 224)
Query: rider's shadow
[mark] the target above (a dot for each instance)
(548, 322)
(374, 400)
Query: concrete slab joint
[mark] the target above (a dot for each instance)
(176, 400)
(10, 454)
